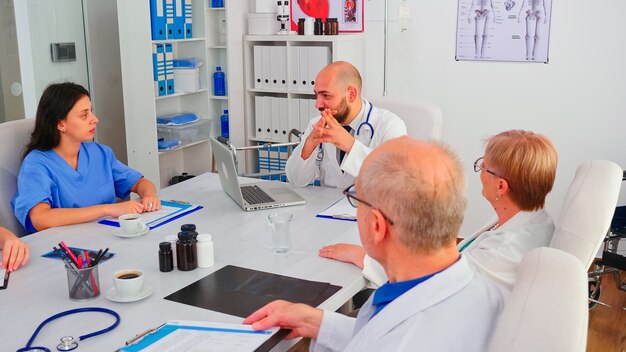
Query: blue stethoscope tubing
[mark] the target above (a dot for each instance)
(367, 126)
(28, 346)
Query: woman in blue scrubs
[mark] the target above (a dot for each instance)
(65, 178)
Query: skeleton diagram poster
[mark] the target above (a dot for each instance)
(503, 30)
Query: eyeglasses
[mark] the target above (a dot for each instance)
(478, 166)
(350, 193)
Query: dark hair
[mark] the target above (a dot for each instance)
(55, 103)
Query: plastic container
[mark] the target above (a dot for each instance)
(217, 3)
(224, 125)
(189, 133)
(186, 80)
(186, 251)
(190, 228)
(206, 254)
(318, 27)
(166, 257)
(219, 82)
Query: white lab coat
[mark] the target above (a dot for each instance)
(495, 254)
(301, 173)
(455, 310)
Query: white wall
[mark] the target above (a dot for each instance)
(577, 99)
(105, 73)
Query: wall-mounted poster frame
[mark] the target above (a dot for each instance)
(349, 13)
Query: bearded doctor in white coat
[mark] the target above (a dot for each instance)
(336, 143)
(432, 292)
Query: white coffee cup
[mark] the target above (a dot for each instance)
(128, 282)
(131, 224)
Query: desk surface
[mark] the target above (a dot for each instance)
(39, 289)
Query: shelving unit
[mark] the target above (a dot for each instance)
(213, 40)
(347, 47)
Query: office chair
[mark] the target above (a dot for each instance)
(587, 211)
(423, 119)
(14, 136)
(529, 321)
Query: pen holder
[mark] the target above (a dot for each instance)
(83, 284)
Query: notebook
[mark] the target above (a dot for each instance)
(250, 196)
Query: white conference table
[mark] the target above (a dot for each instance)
(39, 290)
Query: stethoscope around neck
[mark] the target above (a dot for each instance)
(68, 343)
(365, 127)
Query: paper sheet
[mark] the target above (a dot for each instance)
(340, 210)
(169, 210)
(184, 335)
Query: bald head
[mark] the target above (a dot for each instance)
(342, 74)
(420, 185)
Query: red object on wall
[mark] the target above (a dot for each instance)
(311, 8)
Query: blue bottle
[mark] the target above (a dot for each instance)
(224, 124)
(219, 82)
(217, 3)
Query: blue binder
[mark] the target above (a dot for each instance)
(169, 68)
(188, 19)
(179, 20)
(169, 19)
(157, 19)
(158, 69)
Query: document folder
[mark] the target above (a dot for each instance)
(157, 19)
(179, 20)
(158, 69)
(169, 19)
(169, 68)
(188, 13)
(240, 291)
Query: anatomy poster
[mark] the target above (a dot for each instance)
(503, 30)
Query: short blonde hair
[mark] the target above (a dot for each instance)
(527, 161)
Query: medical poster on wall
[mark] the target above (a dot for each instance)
(349, 13)
(503, 30)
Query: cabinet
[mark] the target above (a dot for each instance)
(280, 73)
(213, 40)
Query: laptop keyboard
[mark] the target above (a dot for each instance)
(255, 195)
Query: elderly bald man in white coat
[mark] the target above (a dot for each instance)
(433, 300)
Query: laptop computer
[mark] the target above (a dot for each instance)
(250, 196)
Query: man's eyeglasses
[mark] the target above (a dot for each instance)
(350, 193)
(478, 166)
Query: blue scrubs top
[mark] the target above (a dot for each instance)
(46, 177)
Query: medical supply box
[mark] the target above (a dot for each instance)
(186, 134)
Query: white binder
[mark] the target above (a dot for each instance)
(259, 123)
(258, 67)
(305, 114)
(274, 68)
(267, 117)
(304, 69)
(294, 64)
(294, 116)
(275, 119)
(284, 120)
(282, 68)
(265, 61)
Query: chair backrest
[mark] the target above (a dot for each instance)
(423, 119)
(547, 309)
(587, 209)
(14, 135)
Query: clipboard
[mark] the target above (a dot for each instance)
(340, 210)
(170, 211)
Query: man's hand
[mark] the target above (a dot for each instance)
(327, 130)
(349, 253)
(303, 320)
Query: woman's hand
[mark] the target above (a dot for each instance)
(150, 203)
(128, 207)
(349, 253)
(15, 253)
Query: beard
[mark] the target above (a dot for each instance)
(343, 111)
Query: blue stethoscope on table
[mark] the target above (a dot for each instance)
(68, 343)
(365, 127)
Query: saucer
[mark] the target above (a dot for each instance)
(112, 295)
(143, 231)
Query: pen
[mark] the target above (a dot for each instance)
(139, 336)
(179, 201)
(5, 284)
(63, 257)
(96, 257)
(94, 285)
(69, 253)
(95, 262)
